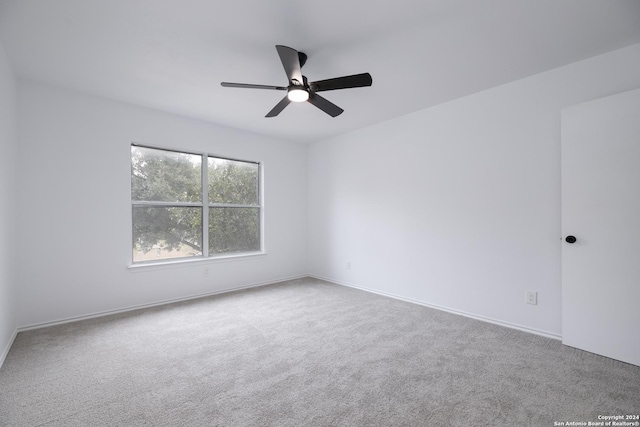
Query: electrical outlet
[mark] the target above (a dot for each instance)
(205, 272)
(532, 297)
(348, 265)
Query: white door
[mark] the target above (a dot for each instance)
(601, 209)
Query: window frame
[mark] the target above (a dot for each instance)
(205, 207)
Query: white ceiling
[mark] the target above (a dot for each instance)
(173, 54)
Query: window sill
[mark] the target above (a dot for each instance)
(178, 263)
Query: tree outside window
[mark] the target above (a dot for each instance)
(193, 205)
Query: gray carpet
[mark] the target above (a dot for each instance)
(303, 353)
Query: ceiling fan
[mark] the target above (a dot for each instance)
(300, 90)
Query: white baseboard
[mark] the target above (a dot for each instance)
(270, 282)
(154, 304)
(5, 352)
(447, 309)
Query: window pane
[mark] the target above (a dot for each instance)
(234, 230)
(165, 176)
(166, 232)
(233, 182)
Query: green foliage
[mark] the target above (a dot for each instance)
(234, 230)
(165, 176)
(167, 228)
(233, 182)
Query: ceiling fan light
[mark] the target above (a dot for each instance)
(297, 95)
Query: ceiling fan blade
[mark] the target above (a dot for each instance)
(290, 62)
(303, 58)
(250, 86)
(346, 82)
(327, 106)
(279, 107)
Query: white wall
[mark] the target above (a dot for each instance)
(8, 159)
(74, 205)
(458, 206)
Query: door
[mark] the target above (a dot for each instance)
(601, 209)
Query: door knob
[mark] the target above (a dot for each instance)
(570, 239)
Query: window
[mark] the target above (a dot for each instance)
(193, 205)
